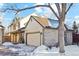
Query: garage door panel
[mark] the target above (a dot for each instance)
(33, 39)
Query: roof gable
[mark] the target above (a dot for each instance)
(33, 19)
(42, 21)
(48, 23)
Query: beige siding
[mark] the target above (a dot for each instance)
(50, 37)
(33, 26)
(69, 37)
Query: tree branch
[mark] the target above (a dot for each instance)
(58, 7)
(49, 6)
(33, 7)
(54, 12)
(69, 8)
(19, 10)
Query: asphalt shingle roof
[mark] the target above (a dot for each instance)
(50, 23)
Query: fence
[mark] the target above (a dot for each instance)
(75, 38)
(6, 39)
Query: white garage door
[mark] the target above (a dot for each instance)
(33, 39)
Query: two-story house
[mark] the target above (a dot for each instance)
(13, 30)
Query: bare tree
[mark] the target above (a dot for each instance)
(62, 9)
(75, 27)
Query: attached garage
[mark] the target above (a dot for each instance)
(33, 38)
(40, 30)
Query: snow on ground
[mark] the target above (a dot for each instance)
(7, 44)
(54, 49)
(19, 49)
(70, 50)
(45, 51)
(40, 49)
(24, 50)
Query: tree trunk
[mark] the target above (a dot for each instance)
(61, 36)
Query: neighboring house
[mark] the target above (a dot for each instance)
(13, 30)
(40, 30)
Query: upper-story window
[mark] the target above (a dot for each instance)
(14, 27)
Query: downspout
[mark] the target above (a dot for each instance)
(43, 36)
(25, 39)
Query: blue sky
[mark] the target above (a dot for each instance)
(72, 15)
(9, 16)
